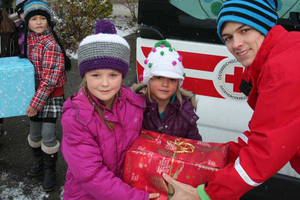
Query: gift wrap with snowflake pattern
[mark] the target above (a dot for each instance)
(16, 86)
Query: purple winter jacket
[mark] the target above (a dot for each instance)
(179, 121)
(21, 35)
(94, 154)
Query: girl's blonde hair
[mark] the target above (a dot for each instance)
(109, 124)
(146, 91)
(7, 25)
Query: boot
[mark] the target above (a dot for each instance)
(49, 181)
(37, 165)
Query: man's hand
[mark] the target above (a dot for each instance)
(31, 111)
(182, 191)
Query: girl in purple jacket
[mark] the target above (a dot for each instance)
(170, 109)
(101, 121)
(21, 23)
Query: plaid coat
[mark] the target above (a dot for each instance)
(48, 60)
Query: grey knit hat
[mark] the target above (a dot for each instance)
(104, 50)
(36, 7)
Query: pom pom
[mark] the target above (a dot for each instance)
(162, 42)
(184, 74)
(141, 77)
(154, 50)
(170, 49)
(105, 26)
(162, 46)
(174, 62)
(146, 61)
(180, 58)
(150, 65)
(162, 53)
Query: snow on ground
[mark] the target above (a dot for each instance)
(23, 190)
(19, 190)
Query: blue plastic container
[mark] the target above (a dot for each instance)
(16, 86)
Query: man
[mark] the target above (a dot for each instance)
(271, 56)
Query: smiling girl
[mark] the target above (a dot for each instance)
(101, 121)
(170, 109)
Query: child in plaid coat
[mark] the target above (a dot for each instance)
(44, 50)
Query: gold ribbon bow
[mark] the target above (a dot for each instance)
(183, 147)
(180, 147)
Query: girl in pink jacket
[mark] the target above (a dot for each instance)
(101, 121)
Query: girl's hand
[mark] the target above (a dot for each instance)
(153, 195)
(31, 111)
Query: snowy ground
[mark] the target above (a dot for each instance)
(121, 18)
(18, 190)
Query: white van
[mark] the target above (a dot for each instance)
(212, 73)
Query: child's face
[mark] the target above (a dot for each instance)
(104, 84)
(38, 23)
(162, 88)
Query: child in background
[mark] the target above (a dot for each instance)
(45, 51)
(21, 23)
(101, 121)
(170, 109)
(8, 41)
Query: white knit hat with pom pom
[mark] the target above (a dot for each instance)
(164, 61)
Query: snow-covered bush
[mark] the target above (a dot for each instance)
(77, 18)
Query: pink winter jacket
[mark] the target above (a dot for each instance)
(94, 154)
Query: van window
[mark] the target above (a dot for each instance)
(209, 9)
(195, 20)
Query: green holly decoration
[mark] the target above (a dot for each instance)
(170, 49)
(162, 42)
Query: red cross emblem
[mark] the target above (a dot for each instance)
(235, 79)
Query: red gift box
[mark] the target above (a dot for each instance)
(188, 161)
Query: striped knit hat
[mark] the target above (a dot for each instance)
(36, 7)
(104, 50)
(40, 7)
(259, 14)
